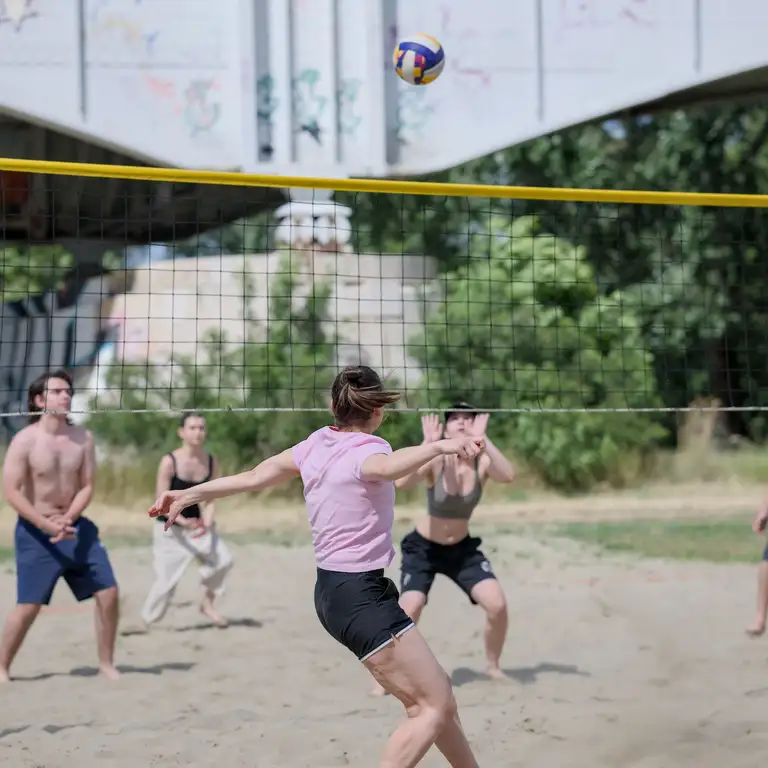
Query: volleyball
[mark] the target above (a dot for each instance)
(419, 59)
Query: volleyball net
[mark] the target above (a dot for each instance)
(168, 290)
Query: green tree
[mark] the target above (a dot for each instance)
(30, 270)
(524, 326)
(254, 234)
(419, 224)
(692, 276)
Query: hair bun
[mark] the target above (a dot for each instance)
(354, 377)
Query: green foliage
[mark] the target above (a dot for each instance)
(400, 429)
(692, 277)
(285, 363)
(110, 261)
(402, 224)
(714, 541)
(254, 234)
(523, 326)
(30, 270)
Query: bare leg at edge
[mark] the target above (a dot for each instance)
(412, 603)
(409, 671)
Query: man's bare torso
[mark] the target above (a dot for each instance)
(54, 466)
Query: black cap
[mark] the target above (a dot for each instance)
(460, 406)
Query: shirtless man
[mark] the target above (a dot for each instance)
(48, 478)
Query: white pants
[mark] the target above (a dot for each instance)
(173, 551)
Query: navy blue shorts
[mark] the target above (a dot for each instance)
(83, 562)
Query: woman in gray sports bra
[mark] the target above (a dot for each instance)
(441, 542)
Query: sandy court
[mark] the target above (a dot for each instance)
(612, 662)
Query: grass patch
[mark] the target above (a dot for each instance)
(714, 541)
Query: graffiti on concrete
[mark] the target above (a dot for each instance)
(198, 106)
(266, 105)
(640, 12)
(347, 95)
(59, 329)
(266, 100)
(131, 34)
(162, 88)
(576, 14)
(413, 114)
(308, 104)
(201, 111)
(126, 34)
(463, 74)
(17, 12)
(105, 19)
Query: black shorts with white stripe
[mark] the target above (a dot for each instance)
(360, 610)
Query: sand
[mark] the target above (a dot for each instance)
(611, 662)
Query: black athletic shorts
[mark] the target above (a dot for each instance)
(463, 563)
(360, 610)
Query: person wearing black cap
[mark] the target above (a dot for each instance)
(440, 543)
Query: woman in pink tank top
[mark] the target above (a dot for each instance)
(348, 475)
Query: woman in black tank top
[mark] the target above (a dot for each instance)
(179, 484)
(441, 543)
(193, 536)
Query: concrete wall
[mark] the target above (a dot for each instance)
(376, 304)
(307, 86)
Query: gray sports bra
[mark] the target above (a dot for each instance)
(453, 507)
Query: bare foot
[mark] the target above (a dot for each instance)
(206, 608)
(4, 676)
(378, 690)
(109, 671)
(495, 673)
(756, 630)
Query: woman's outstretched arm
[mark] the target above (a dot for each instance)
(404, 461)
(272, 471)
(412, 479)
